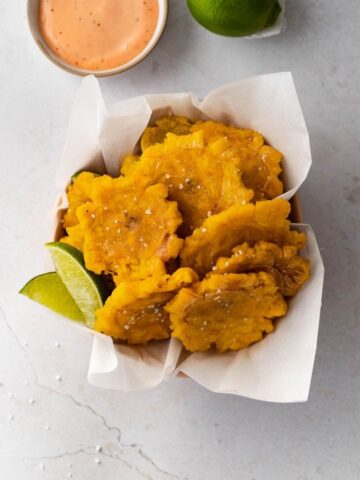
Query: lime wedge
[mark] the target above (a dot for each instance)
(86, 288)
(49, 290)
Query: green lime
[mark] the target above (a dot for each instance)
(87, 289)
(49, 290)
(235, 18)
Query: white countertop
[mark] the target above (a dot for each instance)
(49, 427)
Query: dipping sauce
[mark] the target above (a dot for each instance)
(98, 34)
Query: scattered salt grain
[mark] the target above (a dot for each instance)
(204, 230)
(11, 416)
(31, 400)
(181, 186)
(148, 211)
(58, 378)
(214, 268)
(98, 448)
(97, 461)
(57, 345)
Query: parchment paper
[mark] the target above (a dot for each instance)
(276, 369)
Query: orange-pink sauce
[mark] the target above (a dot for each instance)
(98, 34)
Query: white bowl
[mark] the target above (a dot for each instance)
(33, 20)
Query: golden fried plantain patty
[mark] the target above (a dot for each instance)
(199, 179)
(289, 269)
(134, 311)
(228, 312)
(164, 125)
(266, 220)
(129, 228)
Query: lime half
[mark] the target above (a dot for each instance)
(86, 288)
(49, 290)
(235, 18)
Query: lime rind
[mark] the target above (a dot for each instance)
(235, 18)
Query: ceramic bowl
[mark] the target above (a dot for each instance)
(33, 20)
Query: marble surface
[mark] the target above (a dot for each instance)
(53, 425)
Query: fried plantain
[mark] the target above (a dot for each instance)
(78, 193)
(198, 178)
(266, 220)
(129, 228)
(134, 312)
(229, 311)
(165, 124)
(258, 164)
(289, 269)
(239, 137)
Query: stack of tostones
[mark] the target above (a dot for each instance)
(200, 196)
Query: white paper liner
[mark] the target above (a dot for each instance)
(98, 138)
(129, 368)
